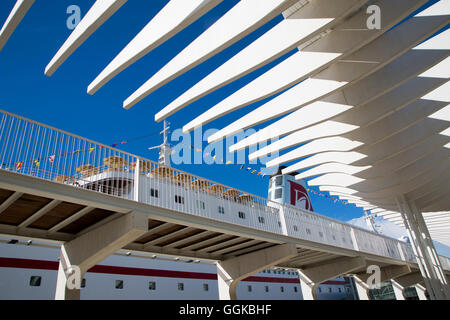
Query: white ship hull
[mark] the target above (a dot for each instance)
(20, 262)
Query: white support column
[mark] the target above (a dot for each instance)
(94, 246)
(412, 279)
(137, 172)
(310, 278)
(386, 273)
(430, 246)
(421, 249)
(362, 288)
(420, 289)
(399, 291)
(231, 272)
(283, 220)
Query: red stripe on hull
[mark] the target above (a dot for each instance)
(53, 265)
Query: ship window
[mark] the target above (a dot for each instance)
(279, 181)
(330, 289)
(205, 287)
(282, 289)
(119, 284)
(201, 204)
(278, 193)
(339, 289)
(180, 286)
(308, 231)
(295, 228)
(152, 285)
(261, 220)
(13, 241)
(320, 289)
(321, 234)
(83, 283)
(35, 281)
(334, 237)
(154, 193)
(266, 288)
(221, 210)
(241, 215)
(295, 289)
(249, 288)
(179, 199)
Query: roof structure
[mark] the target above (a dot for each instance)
(362, 105)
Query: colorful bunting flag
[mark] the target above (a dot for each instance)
(19, 165)
(37, 162)
(51, 158)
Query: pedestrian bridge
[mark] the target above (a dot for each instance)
(95, 200)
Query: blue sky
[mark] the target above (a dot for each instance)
(61, 100)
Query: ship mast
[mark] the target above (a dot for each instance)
(370, 222)
(164, 148)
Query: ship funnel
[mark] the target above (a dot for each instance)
(284, 189)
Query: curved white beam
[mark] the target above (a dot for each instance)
(375, 85)
(396, 162)
(19, 11)
(406, 139)
(174, 17)
(331, 167)
(314, 18)
(405, 159)
(317, 146)
(245, 17)
(273, 44)
(98, 14)
(430, 186)
(302, 64)
(308, 115)
(373, 137)
(295, 97)
(325, 157)
(411, 187)
(381, 107)
(368, 135)
(390, 192)
(393, 178)
(289, 72)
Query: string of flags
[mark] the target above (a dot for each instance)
(262, 175)
(241, 166)
(327, 196)
(37, 162)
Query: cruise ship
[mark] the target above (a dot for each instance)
(29, 268)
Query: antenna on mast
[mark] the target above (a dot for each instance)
(370, 221)
(164, 148)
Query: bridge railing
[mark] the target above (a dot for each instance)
(31, 148)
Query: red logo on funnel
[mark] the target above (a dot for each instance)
(299, 196)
